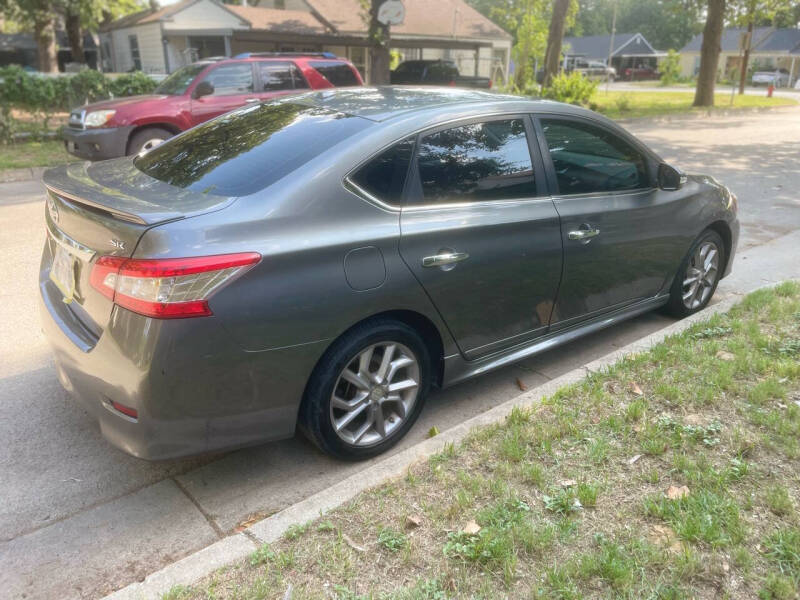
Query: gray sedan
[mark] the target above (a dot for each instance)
(323, 260)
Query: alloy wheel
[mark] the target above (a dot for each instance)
(374, 394)
(150, 144)
(701, 275)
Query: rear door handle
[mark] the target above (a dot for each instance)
(446, 258)
(583, 234)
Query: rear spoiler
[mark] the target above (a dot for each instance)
(116, 213)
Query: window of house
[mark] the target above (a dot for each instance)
(589, 159)
(384, 176)
(232, 79)
(480, 161)
(276, 76)
(133, 42)
(358, 56)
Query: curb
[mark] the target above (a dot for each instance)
(701, 114)
(24, 174)
(236, 547)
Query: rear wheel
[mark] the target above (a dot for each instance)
(146, 139)
(698, 275)
(367, 391)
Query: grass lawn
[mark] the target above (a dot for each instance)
(673, 474)
(618, 104)
(34, 154)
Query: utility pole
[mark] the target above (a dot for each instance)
(611, 43)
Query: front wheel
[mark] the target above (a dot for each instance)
(367, 391)
(698, 275)
(146, 139)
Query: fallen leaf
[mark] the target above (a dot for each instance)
(633, 459)
(567, 483)
(433, 431)
(521, 385)
(352, 544)
(675, 493)
(413, 521)
(636, 389)
(471, 528)
(250, 520)
(725, 355)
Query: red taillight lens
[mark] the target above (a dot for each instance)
(125, 410)
(168, 288)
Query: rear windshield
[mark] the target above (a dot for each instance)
(249, 149)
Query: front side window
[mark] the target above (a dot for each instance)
(589, 159)
(338, 73)
(229, 80)
(384, 176)
(481, 161)
(276, 76)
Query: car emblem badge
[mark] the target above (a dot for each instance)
(118, 244)
(52, 208)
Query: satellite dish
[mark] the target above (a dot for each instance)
(391, 12)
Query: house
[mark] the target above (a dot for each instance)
(770, 48)
(20, 49)
(162, 40)
(629, 50)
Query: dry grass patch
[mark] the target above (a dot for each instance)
(673, 474)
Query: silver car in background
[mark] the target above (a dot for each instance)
(323, 260)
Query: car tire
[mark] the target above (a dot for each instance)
(362, 351)
(698, 275)
(147, 139)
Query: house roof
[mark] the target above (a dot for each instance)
(442, 18)
(596, 46)
(765, 39)
(285, 21)
(161, 14)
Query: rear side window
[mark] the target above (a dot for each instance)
(276, 76)
(481, 161)
(248, 149)
(338, 73)
(229, 80)
(590, 159)
(384, 176)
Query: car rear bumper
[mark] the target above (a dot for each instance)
(97, 144)
(194, 390)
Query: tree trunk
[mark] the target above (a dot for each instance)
(746, 57)
(380, 58)
(45, 34)
(709, 54)
(72, 23)
(552, 57)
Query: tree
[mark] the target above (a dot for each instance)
(36, 15)
(555, 37)
(379, 38)
(709, 53)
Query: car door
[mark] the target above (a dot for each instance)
(279, 78)
(620, 241)
(234, 86)
(480, 233)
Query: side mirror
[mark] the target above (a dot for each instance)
(670, 178)
(204, 88)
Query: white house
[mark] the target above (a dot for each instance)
(159, 41)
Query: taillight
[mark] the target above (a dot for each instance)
(490, 84)
(167, 288)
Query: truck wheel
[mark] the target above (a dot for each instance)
(146, 139)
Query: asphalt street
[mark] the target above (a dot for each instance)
(79, 518)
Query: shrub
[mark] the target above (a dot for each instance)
(572, 89)
(670, 68)
(132, 84)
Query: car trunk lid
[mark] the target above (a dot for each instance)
(103, 209)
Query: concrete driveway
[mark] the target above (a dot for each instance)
(80, 519)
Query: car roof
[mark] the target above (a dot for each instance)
(383, 103)
(277, 56)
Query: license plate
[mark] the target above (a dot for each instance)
(62, 273)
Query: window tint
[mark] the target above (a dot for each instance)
(384, 176)
(483, 161)
(590, 159)
(441, 71)
(177, 83)
(231, 79)
(248, 149)
(277, 76)
(338, 73)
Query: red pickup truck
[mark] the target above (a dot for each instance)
(196, 93)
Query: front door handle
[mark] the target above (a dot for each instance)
(444, 259)
(583, 234)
